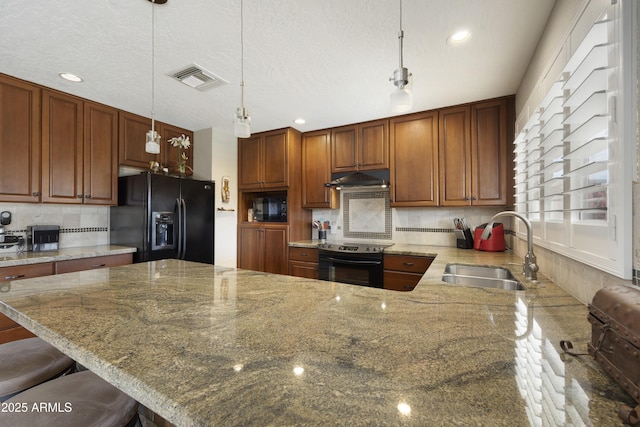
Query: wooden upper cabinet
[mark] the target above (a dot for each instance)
(132, 139)
(170, 153)
(62, 148)
(492, 124)
(263, 160)
(19, 141)
(360, 147)
(414, 159)
(474, 154)
(100, 154)
(455, 156)
(276, 160)
(250, 162)
(79, 143)
(316, 171)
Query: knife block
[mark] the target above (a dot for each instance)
(464, 239)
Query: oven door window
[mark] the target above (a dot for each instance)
(352, 270)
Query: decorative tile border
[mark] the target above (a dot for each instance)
(69, 230)
(437, 230)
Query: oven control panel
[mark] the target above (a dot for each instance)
(352, 248)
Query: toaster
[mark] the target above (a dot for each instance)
(43, 237)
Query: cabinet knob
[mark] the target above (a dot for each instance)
(36, 194)
(80, 196)
(88, 196)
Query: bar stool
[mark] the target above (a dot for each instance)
(28, 362)
(80, 399)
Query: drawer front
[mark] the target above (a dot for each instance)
(92, 263)
(26, 271)
(307, 270)
(396, 281)
(303, 254)
(411, 264)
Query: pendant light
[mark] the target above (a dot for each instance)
(242, 121)
(153, 139)
(401, 96)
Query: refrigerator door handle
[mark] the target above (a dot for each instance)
(184, 229)
(179, 228)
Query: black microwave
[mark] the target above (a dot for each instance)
(270, 209)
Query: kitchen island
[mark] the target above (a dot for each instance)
(207, 345)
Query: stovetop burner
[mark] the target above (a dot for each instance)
(353, 247)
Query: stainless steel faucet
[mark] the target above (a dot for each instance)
(529, 268)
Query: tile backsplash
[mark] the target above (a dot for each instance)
(362, 216)
(80, 225)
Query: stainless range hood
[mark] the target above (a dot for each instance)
(359, 179)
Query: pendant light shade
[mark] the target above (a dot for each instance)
(153, 141)
(242, 123)
(401, 99)
(242, 120)
(152, 145)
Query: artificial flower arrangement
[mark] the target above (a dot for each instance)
(182, 143)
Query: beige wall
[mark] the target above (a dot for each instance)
(568, 23)
(216, 155)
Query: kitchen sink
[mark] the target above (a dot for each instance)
(485, 277)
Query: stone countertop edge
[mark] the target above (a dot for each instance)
(27, 258)
(459, 354)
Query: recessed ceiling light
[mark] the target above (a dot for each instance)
(300, 121)
(70, 77)
(459, 37)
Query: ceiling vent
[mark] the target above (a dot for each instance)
(198, 78)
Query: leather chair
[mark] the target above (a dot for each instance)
(80, 399)
(28, 362)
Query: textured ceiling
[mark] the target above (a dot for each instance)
(328, 61)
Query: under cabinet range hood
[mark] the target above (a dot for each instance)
(359, 179)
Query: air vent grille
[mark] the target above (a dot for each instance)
(198, 78)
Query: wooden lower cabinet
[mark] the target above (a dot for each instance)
(403, 272)
(82, 264)
(10, 330)
(263, 247)
(303, 262)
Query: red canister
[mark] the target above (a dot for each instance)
(495, 242)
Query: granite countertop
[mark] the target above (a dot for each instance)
(25, 258)
(207, 345)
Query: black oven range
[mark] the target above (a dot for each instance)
(353, 263)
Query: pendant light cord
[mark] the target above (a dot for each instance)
(153, 65)
(401, 36)
(242, 54)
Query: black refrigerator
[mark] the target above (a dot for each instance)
(164, 217)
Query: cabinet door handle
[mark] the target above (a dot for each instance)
(87, 196)
(17, 276)
(408, 264)
(98, 265)
(303, 254)
(36, 194)
(80, 196)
